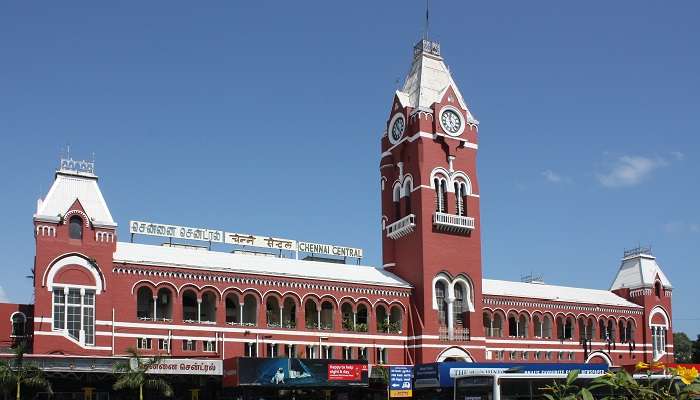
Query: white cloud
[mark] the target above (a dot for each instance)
(3, 296)
(681, 227)
(630, 171)
(553, 177)
(678, 155)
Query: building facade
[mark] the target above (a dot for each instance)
(97, 295)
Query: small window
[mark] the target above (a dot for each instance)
(19, 323)
(347, 353)
(163, 344)
(657, 289)
(250, 350)
(310, 352)
(208, 346)
(272, 350)
(362, 353)
(290, 350)
(143, 343)
(75, 227)
(381, 355)
(189, 345)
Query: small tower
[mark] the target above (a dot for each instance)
(430, 203)
(641, 281)
(75, 240)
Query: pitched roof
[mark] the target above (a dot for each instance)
(551, 292)
(71, 186)
(639, 271)
(251, 264)
(428, 79)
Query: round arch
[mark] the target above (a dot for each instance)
(599, 355)
(73, 259)
(454, 354)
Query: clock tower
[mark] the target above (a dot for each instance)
(430, 210)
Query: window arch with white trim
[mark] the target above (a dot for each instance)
(406, 190)
(659, 326)
(461, 193)
(440, 185)
(397, 201)
(19, 324)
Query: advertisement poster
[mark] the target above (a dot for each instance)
(295, 372)
(400, 379)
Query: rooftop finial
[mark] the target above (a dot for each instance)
(427, 19)
(68, 164)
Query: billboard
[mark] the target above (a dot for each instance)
(441, 374)
(294, 372)
(401, 381)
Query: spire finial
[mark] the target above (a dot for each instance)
(427, 19)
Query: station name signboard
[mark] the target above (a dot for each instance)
(175, 231)
(260, 241)
(240, 239)
(330, 250)
(185, 366)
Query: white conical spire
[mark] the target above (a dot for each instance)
(428, 79)
(639, 269)
(75, 180)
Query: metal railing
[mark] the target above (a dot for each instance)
(402, 227)
(453, 223)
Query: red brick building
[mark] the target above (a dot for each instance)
(97, 295)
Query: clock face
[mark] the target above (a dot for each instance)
(397, 127)
(451, 122)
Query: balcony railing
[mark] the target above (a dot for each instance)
(453, 223)
(459, 334)
(402, 227)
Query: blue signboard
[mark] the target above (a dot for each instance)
(401, 381)
(441, 374)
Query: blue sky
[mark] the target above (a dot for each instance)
(265, 117)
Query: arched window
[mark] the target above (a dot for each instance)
(569, 328)
(250, 310)
(440, 195)
(459, 306)
(657, 289)
(207, 310)
(312, 315)
(440, 292)
(591, 328)
(19, 324)
(397, 202)
(610, 331)
(522, 325)
(512, 325)
(289, 313)
(348, 317)
(361, 318)
(623, 332)
(395, 319)
(547, 326)
(629, 332)
(189, 306)
(488, 324)
(408, 189)
(144, 303)
(233, 309)
(164, 305)
(461, 198)
(602, 329)
(382, 319)
(273, 311)
(497, 325)
(75, 227)
(537, 324)
(327, 315)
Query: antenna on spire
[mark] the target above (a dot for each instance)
(427, 19)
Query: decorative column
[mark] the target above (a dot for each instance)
(281, 309)
(450, 317)
(199, 310)
(155, 304)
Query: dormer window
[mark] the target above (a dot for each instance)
(75, 227)
(657, 289)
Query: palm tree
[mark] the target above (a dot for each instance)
(17, 373)
(134, 375)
